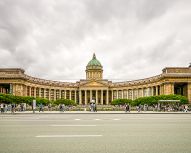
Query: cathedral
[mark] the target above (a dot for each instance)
(172, 80)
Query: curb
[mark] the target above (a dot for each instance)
(67, 113)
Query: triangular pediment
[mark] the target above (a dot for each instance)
(94, 84)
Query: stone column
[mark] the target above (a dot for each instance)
(101, 97)
(189, 92)
(39, 92)
(60, 93)
(24, 90)
(132, 94)
(49, 96)
(90, 96)
(157, 91)
(107, 98)
(127, 94)
(85, 97)
(151, 88)
(142, 92)
(162, 89)
(122, 93)
(65, 94)
(96, 96)
(149, 91)
(44, 93)
(29, 91)
(111, 95)
(70, 94)
(54, 94)
(80, 97)
(75, 98)
(35, 92)
(117, 94)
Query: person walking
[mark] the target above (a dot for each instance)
(49, 107)
(60, 107)
(41, 107)
(13, 108)
(91, 107)
(2, 108)
(127, 108)
(186, 108)
(95, 107)
(63, 107)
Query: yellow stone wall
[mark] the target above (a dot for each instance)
(168, 88)
(189, 92)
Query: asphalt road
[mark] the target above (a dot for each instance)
(95, 133)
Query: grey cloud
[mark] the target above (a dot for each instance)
(56, 39)
(162, 50)
(149, 9)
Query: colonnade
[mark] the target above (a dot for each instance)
(133, 93)
(99, 96)
(52, 94)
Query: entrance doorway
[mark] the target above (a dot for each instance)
(181, 89)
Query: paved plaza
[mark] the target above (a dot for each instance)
(95, 133)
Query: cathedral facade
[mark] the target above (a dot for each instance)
(172, 80)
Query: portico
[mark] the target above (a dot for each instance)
(99, 96)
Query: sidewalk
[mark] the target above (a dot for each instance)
(99, 112)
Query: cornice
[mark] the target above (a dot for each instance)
(16, 73)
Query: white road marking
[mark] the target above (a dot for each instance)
(77, 119)
(72, 125)
(116, 119)
(66, 136)
(97, 119)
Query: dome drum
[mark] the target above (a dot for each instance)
(94, 69)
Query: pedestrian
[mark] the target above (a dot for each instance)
(63, 107)
(2, 108)
(139, 107)
(13, 108)
(186, 108)
(22, 105)
(145, 107)
(60, 107)
(94, 107)
(5, 108)
(41, 107)
(127, 108)
(91, 107)
(49, 107)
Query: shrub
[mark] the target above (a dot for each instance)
(151, 100)
(121, 101)
(8, 99)
(65, 102)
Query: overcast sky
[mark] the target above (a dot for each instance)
(133, 39)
